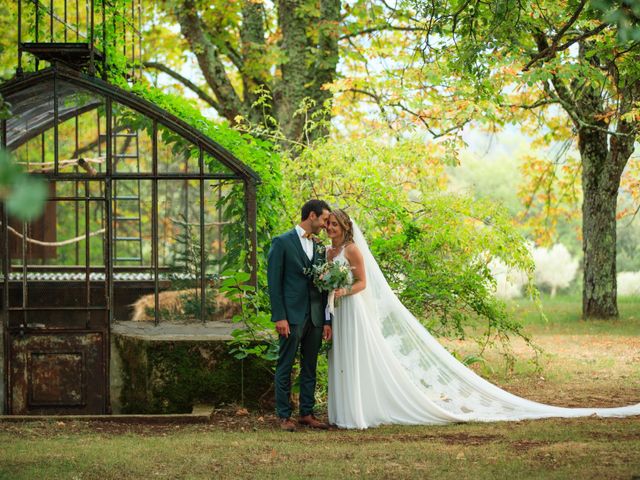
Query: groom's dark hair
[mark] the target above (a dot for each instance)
(316, 206)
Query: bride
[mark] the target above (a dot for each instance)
(385, 367)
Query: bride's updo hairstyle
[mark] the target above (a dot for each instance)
(345, 222)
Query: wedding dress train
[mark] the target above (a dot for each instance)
(385, 368)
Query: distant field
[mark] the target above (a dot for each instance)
(564, 316)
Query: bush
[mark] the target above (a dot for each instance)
(433, 246)
(555, 268)
(628, 284)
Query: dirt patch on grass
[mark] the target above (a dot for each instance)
(447, 438)
(467, 439)
(523, 446)
(576, 370)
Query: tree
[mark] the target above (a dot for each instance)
(561, 68)
(263, 62)
(554, 267)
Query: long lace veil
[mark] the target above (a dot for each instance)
(447, 382)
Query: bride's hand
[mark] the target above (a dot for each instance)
(340, 292)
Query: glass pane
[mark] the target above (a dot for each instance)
(213, 165)
(225, 226)
(132, 146)
(179, 226)
(81, 146)
(32, 110)
(30, 130)
(131, 210)
(175, 154)
(53, 250)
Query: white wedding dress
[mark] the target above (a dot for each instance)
(385, 368)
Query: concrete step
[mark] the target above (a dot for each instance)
(200, 416)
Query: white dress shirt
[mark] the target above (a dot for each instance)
(307, 243)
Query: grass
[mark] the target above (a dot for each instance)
(585, 364)
(550, 449)
(564, 317)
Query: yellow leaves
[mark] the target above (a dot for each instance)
(511, 70)
(623, 213)
(605, 116)
(630, 187)
(551, 191)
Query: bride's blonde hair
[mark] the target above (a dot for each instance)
(345, 222)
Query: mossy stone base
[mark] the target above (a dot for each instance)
(171, 376)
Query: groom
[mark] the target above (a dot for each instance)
(297, 308)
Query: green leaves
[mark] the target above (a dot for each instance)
(23, 194)
(625, 14)
(433, 246)
(254, 336)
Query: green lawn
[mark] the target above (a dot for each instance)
(564, 316)
(585, 364)
(588, 448)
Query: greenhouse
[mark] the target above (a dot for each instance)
(144, 213)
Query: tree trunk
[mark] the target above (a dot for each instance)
(307, 66)
(600, 182)
(290, 91)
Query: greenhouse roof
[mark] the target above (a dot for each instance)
(34, 110)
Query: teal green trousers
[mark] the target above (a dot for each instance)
(306, 338)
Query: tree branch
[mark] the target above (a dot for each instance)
(185, 81)
(234, 56)
(554, 47)
(621, 145)
(551, 52)
(423, 120)
(381, 28)
(209, 59)
(531, 106)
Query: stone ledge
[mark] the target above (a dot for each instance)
(171, 331)
(158, 375)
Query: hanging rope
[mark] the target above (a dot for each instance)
(208, 224)
(55, 244)
(84, 163)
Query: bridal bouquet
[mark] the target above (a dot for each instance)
(328, 277)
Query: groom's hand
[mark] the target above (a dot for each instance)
(326, 333)
(282, 327)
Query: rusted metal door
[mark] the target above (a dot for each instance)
(57, 373)
(56, 310)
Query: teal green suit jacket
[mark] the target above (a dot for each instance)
(293, 294)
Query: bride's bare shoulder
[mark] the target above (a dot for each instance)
(351, 249)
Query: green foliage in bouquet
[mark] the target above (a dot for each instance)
(329, 276)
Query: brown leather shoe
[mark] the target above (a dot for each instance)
(313, 422)
(287, 425)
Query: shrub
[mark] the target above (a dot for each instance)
(555, 268)
(435, 247)
(628, 284)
